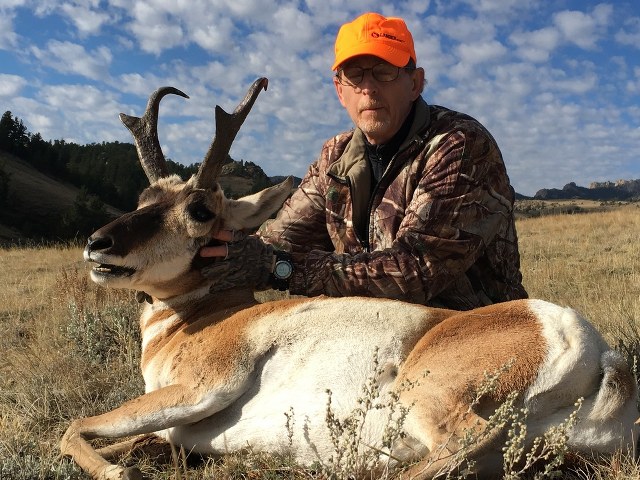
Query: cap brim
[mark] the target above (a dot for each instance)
(387, 53)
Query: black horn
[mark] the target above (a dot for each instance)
(145, 134)
(227, 127)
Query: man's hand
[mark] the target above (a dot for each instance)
(222, 250)
(245, 261)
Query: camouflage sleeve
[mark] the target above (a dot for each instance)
(462, 201)
(300, 224)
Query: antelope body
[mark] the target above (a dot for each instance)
(221, 370)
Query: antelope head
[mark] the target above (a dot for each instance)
(155, 248)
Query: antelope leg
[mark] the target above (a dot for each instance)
(164, 408)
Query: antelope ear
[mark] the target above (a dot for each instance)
(253, 210)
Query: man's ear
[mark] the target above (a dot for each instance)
(417, 76)
(253, 210)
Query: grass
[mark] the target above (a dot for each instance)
(70, 349)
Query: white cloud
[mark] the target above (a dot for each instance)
(581, 28)
(463, 29)
(11, 4)
(215, 37)
(83, 113)
(86, 16)
(299, 38)
(11, 85)
(472, 56)
(8, 37)
(633, 84)
(245, 9)
(495, 7)
(153, 27)
(536, 46)
(72, 58)
(630, 33)
(481, 52)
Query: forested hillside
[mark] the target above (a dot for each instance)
(109, 170)
(104, 175)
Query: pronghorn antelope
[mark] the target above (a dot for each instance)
(221, 370)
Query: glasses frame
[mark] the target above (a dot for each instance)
(347, 83)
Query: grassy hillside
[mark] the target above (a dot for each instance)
(70, 349)
(35, 197)
(36, 190)
(39, 198)
(31, 195)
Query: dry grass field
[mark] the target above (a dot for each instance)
(69, 349)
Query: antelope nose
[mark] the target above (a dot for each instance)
(98, 243)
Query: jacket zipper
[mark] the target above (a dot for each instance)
(347, 181)
(367, 244)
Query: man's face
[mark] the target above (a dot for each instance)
(377, 107)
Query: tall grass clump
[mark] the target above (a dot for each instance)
(352, 455)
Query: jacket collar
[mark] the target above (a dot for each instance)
(352, 162)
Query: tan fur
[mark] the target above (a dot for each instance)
(501, 334)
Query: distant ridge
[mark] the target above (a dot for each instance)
(622, 190)
(281, 178)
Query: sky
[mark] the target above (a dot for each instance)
(557, 83)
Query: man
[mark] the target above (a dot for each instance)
(413, 204)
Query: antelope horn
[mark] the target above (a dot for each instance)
(227, 127)
(145, 135)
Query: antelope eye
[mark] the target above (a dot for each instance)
(199, 212)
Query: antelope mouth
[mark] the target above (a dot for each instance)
(106, 270)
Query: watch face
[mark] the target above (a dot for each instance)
(282, 269)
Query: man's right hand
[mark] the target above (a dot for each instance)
(245, 261)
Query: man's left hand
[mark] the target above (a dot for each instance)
(246, 261)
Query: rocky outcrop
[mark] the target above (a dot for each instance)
(622, 190)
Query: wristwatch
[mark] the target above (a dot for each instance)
(282, 271)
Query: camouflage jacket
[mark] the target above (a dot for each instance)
(440, 222)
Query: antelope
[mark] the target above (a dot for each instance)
(221, 370)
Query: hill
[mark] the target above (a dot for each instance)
(36, 202)
(622, 190)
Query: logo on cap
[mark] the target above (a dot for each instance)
(386, 35)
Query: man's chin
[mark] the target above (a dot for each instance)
(377, 132)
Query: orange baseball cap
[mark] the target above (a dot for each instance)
(372, 34)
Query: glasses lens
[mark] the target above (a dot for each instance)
(384, 72)
(352, 75)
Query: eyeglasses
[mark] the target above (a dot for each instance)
(382, 72)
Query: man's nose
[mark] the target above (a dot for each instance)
(368, 83)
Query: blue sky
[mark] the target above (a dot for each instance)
(557, 83)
